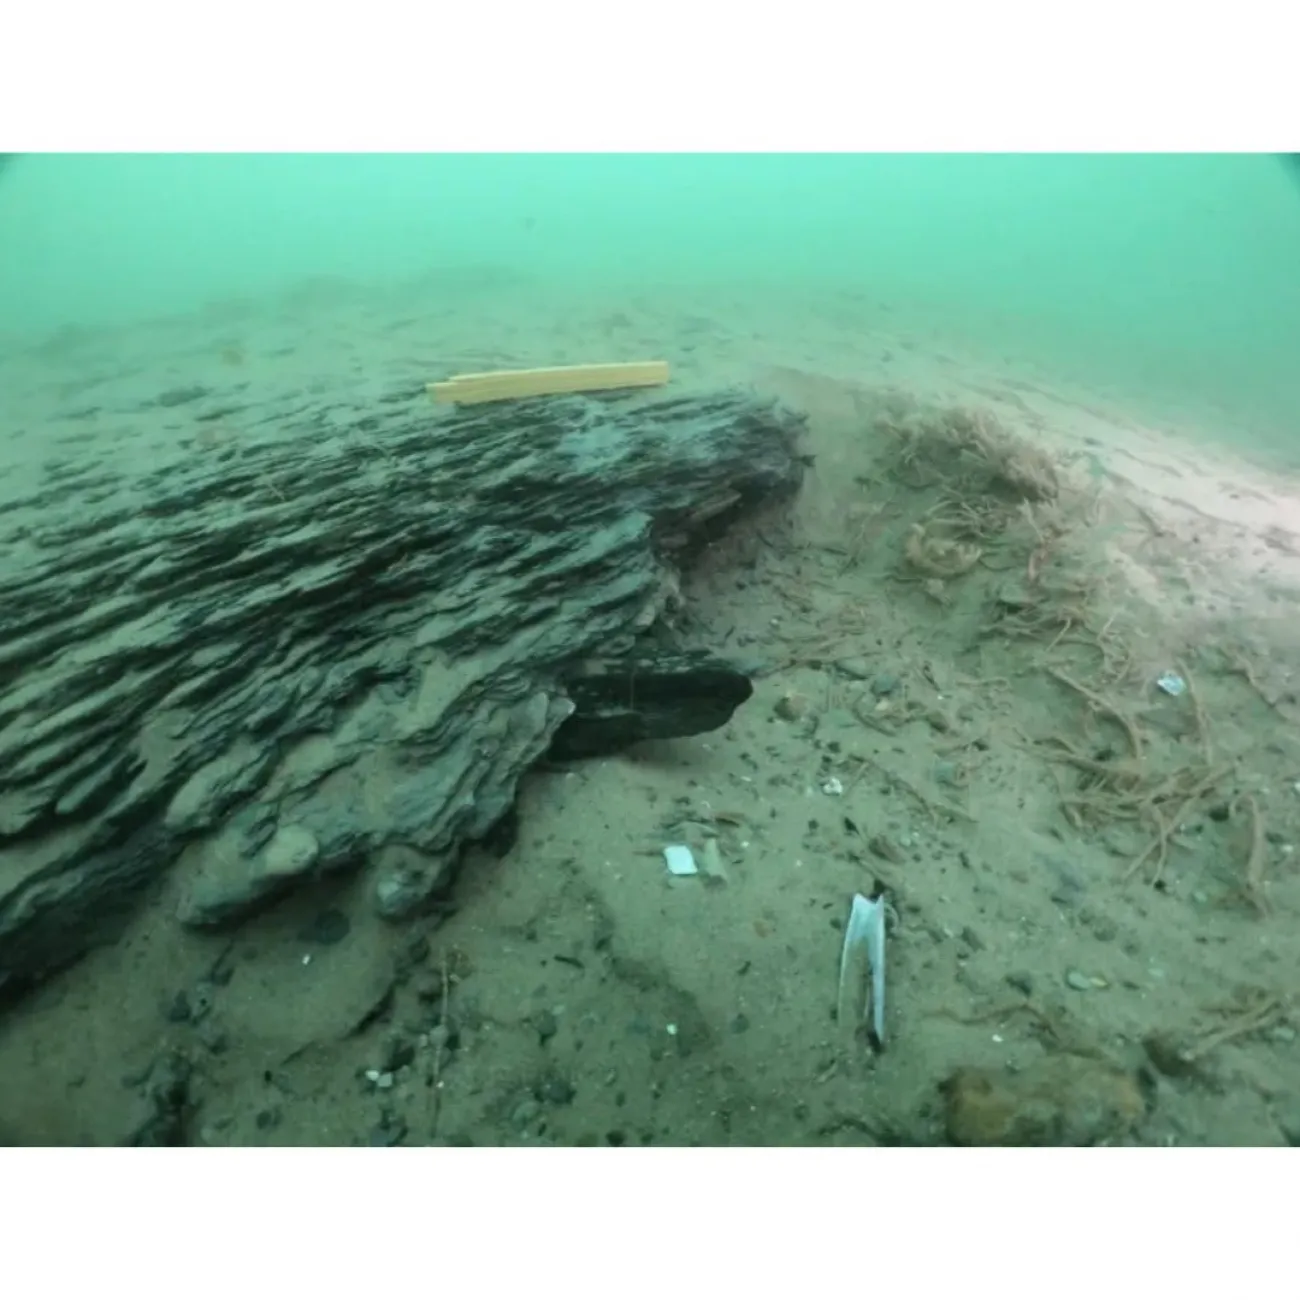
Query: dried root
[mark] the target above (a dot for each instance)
(1254, 887)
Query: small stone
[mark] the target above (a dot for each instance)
(213, 1037)
(791, 707)
(178, 1010)
(1061, 1101)
(858, 669)
(525, 1113)
(395, 1052)
(1076, 979)
(884, 684)
(1022, 982)
(945, 772)
(1282, 1034)
(326, 928)
(739, 1023)
(883, 846)
(390, 1130)
(972, 940)
(547, 1026)
(557, 1091)
(384, 1080)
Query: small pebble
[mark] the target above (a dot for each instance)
(395, 1052)
(858, 669)
(390, 1130)
(557, 1091)
(546, 1025)
(884, 684)
(1022, 982)
(1076, 979)
(178, 1011)
(885, 847)
(328, 927)
(525, 1113)
(791, 707)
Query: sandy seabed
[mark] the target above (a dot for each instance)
(957, 632)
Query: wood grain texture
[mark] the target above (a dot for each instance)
(338, 647)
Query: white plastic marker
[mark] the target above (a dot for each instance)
(862, 966)
(680, 860)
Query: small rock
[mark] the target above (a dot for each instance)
(857, 669)
(213, 1037)
(556, 1090)
(326, 928)
(1062, 1101)
(739, 1023)
(972, 940)
(546, 1025)
(230, 886)
(395, 1052)
(946, 773)
(390, 1130)
(525, 1113)
(201, 1000)
(1076, 979)
(407, 879)
(1022, 981)
(178, 1009)
(884, 684)
(884, 846)
(792, 706)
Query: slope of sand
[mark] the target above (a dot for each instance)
(1084, 873)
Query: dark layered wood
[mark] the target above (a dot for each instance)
(339, 644)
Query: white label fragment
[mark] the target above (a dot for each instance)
(680, 860)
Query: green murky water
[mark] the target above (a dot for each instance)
(1175, 273)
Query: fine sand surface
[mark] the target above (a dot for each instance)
(956, 632)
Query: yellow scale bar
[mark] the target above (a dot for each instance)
(500, 385)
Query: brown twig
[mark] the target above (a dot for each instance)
(1104, 706)
(932, 806)
(1202, 727)
(1253, 886)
